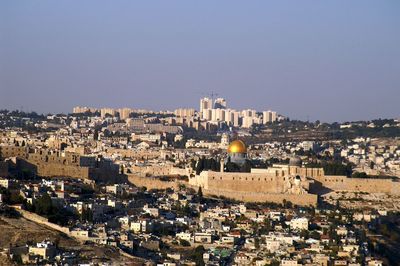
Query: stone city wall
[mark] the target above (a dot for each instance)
(135, 154)
(104, 172)
(54, 157)
(245, 182)
(12, 151)
(153, 183)
(54, 169)
(158, 170)
(43, 221)
(285, 170)
(153, 170)
(370, 185)
(303, 200)
(178, 171)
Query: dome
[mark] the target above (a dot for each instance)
(295, 161)
(237, 146)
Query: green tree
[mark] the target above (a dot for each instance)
(44, 205)
(184, 243)
(200, 166)
(246, 167)
(200, 193)
(197, 255)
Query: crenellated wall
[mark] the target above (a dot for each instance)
(155, 183)
(244, 182)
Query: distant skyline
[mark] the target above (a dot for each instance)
(328, 61)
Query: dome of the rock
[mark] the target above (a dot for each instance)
(237, 146)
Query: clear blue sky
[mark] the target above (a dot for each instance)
(330, 60)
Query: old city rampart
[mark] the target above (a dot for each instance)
(368, 185)
(49, 163)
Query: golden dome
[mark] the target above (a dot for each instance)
(237, 146)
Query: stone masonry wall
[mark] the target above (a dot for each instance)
(152, 183)
(370, 185)
(303, 200)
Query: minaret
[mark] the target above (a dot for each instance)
(225, 140)
(222, 166)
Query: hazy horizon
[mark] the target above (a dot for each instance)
(328, 61)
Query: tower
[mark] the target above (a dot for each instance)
(224, 139)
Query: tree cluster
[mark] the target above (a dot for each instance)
(205, 164)
(233, 167)
(10, 197)
(334, 168)
(45, 207)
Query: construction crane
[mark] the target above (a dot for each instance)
(211, 95)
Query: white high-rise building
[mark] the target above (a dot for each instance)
(184, 112)
(228, 116)
(205, 103)
(269, 116)
(213, 114)
(84, 109)
(124, 113)
(206, 114)
(107, 111)
(220, 114)
(236, 116)
(217, 115)
(274, 116)
(249, 113)
(247, 122)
